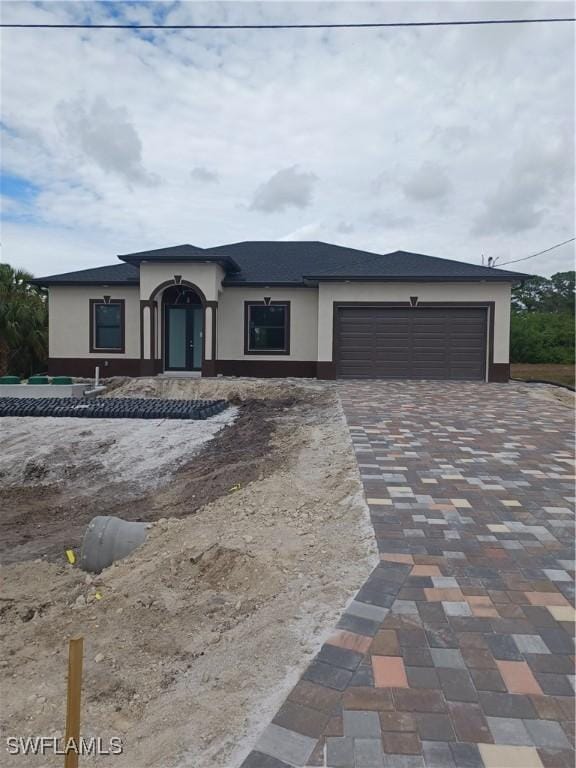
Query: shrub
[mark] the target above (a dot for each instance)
(542, 337)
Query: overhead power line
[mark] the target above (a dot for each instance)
(366, 25)
(546, 250)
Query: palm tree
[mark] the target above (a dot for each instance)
(23, 323)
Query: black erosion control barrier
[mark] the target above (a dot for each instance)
(111, 407)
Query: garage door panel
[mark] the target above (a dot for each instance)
(396, 360)
(391, 332)
(390, 342)
(428, 337)
(467, 342)
(417, 343)
(358, 356)
(387, 343)
(428, 353)
(355, 342)
(429, 373)
(466, 355)
(428, 332)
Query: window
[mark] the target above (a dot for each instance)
(267, 328)
(107, 325)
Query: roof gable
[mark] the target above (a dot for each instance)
(184, 252)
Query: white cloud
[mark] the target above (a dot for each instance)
(537, 176)
(430, 182)
(461, 119)
(105, 135)
(204, 175)
(454, 138)
(389, 220)
(284, 189)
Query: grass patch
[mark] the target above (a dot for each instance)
(558, 374)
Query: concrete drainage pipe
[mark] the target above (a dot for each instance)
(108, 539)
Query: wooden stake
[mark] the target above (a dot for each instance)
(75, 653)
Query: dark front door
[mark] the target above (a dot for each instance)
(413, 343)
(184, 325)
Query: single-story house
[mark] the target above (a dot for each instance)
(282, 309)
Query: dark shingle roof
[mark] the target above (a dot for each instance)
(117, 274)
(294, 263)
(286, 261)
(291, 262)
(399, 265)
(183, 253)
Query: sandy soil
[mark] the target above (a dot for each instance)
(550, 392)
(200, 634)
(57, 473)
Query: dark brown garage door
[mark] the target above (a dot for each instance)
(415, 343)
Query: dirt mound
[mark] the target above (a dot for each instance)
(235, 458)
(230, 388)
(23, 600)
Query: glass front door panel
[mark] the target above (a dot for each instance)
(184, 337)
(177, 337)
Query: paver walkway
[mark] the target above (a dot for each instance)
(457, 652)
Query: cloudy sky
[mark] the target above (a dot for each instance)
(455, 142)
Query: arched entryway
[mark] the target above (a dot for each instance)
(178, 329)
(183, 329)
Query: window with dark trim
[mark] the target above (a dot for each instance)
(107, 330)
(267, 328)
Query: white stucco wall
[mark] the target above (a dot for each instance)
(499, 293)
(207, 277)
(310, 311)
(303, 322)
(69, 320)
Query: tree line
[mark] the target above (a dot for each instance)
(23, 323)
(542, 322)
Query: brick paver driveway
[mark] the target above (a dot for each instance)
(457, 651)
